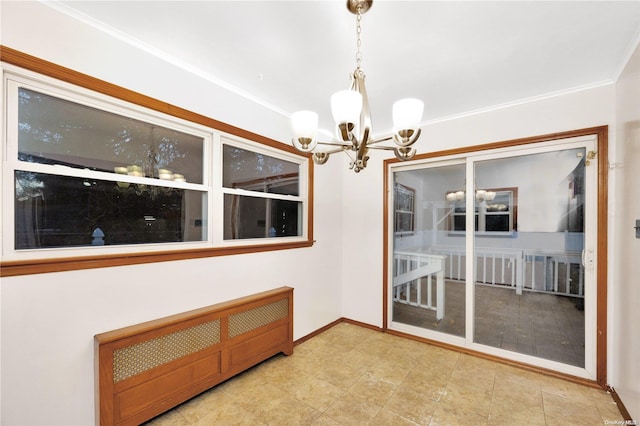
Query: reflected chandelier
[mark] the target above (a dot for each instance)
(481, 195)
(350, 110)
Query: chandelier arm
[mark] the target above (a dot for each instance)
(351, 157)
(343, 145)
(383, 148)
(333, 151)
(407, 141)
(320, 157)
(365, 114)
(404, 153)
(375, 141)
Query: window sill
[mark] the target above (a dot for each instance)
(41, 266)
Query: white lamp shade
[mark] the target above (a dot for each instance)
(346, 106)
(407, 113)
(304, 124)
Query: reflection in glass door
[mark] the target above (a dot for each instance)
(529, 277)
(428, 258)
(495, 252)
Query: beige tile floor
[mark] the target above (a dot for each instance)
(350, 375)
(543, 325)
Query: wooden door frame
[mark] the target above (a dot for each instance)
(601, 133)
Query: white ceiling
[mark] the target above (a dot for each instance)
(457, 57)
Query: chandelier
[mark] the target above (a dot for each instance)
(350, 110)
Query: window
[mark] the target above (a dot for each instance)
(261, 195)
(497, 215)
(85, 174)
(404, 207)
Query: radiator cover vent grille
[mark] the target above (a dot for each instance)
(246, 321)
(138, 358)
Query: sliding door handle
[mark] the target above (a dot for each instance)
(587, 259)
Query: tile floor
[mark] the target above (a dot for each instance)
(350, 375)
(543, 325)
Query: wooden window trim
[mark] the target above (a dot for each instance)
(38, 266)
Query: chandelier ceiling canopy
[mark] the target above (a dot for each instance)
(350, 110)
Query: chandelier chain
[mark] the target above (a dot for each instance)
(359, 42)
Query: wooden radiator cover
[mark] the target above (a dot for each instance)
(146, 369)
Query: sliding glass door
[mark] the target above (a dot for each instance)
(495, 252)
(422, 262)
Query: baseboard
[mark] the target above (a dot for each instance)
(623, 410)
(361, 324)
(318, 331)
(334, 323)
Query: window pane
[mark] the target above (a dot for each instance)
(529, 292)
(428, 266)
(459, 223)
(61, 211)
(255, 217)
(404, 222)
(497, 223)
(57, 131)
(258, 172)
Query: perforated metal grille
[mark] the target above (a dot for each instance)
(132, 360)
(243, 322)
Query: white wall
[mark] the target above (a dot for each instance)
(48, 320)
(625, 288)
(362, 242)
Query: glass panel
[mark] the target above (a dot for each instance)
(497, 223)
(258, 172)
(529, 292)
(61, 211)
(255, 217)
(429, 263)
(56, 131)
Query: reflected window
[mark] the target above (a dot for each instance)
(499, 214)
(404, 209)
